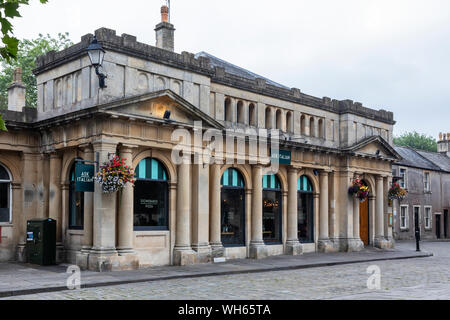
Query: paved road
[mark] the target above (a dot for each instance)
(423, 278)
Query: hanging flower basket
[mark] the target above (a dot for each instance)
(114, 175)
(359, 189)
(397, 192)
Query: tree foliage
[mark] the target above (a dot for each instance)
(9, 9)
(417, 141)
(28, 51)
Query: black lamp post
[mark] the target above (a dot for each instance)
(96, 55)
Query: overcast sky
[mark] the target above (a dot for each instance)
(393, 55)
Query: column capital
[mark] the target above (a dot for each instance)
(325, 172)
(86, 147)
(55, 155)
(358, 174)
(292, 169)
(127, 148)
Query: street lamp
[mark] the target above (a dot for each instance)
(96, 55)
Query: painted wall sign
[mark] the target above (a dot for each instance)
(283, 156)
(84, 177)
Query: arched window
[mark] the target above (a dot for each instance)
(305, 209)
(289, 122)
(303, 125)
(228, 110)
(232, 208)
(151, 196)
(5, 196)
(268, 118)
(278, 120)
(312, 129)
(76, 204)
(240, 112)
(272, 209)
(252, 114)
(321, 129)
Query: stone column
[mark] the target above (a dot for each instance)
(387, 210)
(103, 251)
(356, 243)
(88, 206)
(324, 241)
(215, 238)
(293, 246)
(372, 214)
(356, 224)
(380, 241)
(257, 247)
(183, 253)
(125, 220)
(55, 209)
(82, 257)
(200, 212)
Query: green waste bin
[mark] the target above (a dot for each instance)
(41, 241)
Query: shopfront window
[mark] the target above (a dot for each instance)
(5, 196)
(272, 209)
(232, 208)
(76, 204)
(305, 210)
(151, 196)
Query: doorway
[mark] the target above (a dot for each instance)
(438, 226)
(364, 222)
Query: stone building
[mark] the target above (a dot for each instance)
(426, 176)
(187, 213)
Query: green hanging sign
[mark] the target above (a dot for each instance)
(84, 177)
(283, 157)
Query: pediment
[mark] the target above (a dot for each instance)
(375, 147)
(153, 106)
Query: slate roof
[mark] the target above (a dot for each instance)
(422, 159)
(439, 159)
(233, 69)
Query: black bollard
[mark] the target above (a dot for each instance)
(417, 240)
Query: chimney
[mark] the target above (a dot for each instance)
(444, 143)
(165, 31)
(16, 92)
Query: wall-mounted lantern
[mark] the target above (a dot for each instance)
(96, 55)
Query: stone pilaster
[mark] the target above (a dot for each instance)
(125, 218)
(356, 244)
(293, 246)
(200, 212)
(324, 244)
(103, 255)
(82, 257)
(215, 212)
(380, 240)
(258, 249)
(55, 204)
(183, 253)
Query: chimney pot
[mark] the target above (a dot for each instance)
(165, 14)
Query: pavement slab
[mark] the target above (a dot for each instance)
(23, 279)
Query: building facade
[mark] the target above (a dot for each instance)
(189, 211)
(426, 176)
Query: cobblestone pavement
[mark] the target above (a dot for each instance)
(424, 278)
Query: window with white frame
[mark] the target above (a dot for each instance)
(427, 217)
(403, 217)
(403, 178)
(5, 195)
(427, 182)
